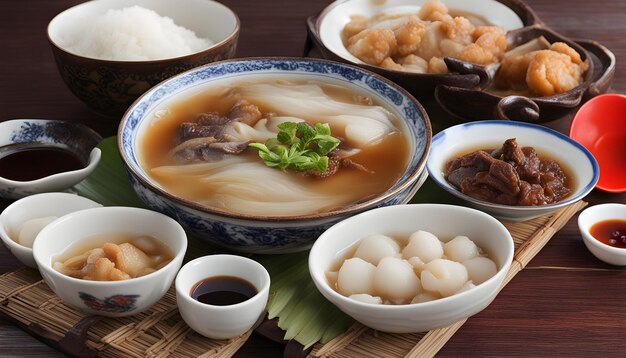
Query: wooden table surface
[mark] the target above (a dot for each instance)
(566, 303)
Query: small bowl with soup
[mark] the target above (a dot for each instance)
(401, 39)
(41, 155)
(261, 155)
(512, 170)
(21, 221)
(109, 52)
(412, 268)
(110, 261)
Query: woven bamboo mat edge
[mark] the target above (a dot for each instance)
(360, 341)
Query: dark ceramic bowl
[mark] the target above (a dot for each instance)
(324, 32)
(469, 104)
(110, 87)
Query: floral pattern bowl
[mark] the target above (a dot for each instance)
(75, 137)
(257, 234)
(109, 87)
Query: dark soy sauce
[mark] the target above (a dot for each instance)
(223, 290)
(31, 161)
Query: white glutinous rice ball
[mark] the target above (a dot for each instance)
(30, 228)
(364, 297)
(480, 269)
(374, 247)
(355, 276)
(424, 245)
(395, 279)
(444, 276)
(425, 297)
(417, 263)
(460, 248)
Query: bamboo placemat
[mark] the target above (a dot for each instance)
(161, 332)
(529, 238)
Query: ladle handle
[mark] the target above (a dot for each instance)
(517, 108)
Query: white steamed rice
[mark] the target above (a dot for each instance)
(132, 34)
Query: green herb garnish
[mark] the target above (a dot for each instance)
(298, 146)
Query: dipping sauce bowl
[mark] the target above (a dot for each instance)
(221, 322)
(593, 215)
(600, 126)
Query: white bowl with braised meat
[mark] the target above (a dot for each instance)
(110, 261)
(515, 171)
(262, 155)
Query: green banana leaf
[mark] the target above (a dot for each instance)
(303, 313)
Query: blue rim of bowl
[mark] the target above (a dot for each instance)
(408, 178)
(583, 192)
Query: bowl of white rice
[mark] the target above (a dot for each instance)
(109, 52)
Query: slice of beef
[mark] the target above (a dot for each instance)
(189, 130)
(211, 119)
(245, 112)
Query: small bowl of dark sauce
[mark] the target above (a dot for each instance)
(222, 296)
(38, 155)
(603, 228)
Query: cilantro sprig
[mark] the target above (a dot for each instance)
(298, 146)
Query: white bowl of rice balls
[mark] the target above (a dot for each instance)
(110, 261)
(412, 268)
(262, 155)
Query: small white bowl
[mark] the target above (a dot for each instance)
(109, 298)
(464, 138)
(33, 207)
(221, 322)
(597, 213)
(445, 221)
(78, 138)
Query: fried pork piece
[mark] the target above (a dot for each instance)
(389, 41)
(543, 72)
(434, 11)
(372, 46)
(112, 262)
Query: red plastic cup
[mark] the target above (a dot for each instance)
(600, 126)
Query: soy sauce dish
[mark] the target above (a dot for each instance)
(603, 228)
(222, 296)
(38, 155)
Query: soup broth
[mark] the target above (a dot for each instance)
(113, 257)
(243, 184)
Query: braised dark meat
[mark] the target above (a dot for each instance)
(509, 175)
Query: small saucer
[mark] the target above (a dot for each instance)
(75, 137)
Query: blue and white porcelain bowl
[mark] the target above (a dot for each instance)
(464, 138)
(75, 137)
(248, 233)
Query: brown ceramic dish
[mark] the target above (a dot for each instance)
(478, 103)
(461, 92)
(110, 87)
(512, 14)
